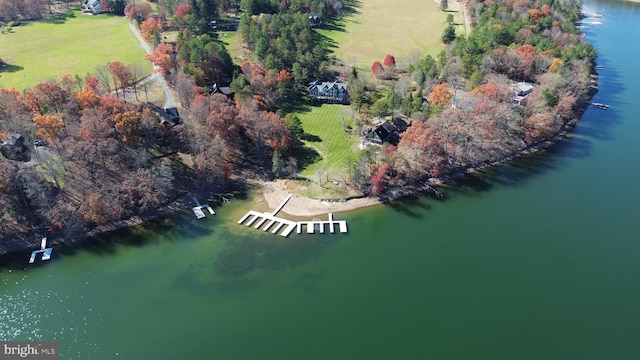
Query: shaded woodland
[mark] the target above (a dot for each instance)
(91, 158)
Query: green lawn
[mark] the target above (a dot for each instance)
(324, 129)
(41, 51)
(233, 44)
(402, 28)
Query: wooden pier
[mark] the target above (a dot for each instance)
(197, 210)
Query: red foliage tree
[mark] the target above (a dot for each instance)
(91, 83)
(120, 73)
(284, 77)
(182, 10)
(389, 61)
(377, 68)
(379, 179)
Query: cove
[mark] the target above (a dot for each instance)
(537, 259)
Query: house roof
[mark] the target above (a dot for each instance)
(385, 131)
(326, 85)
(13, 140)
(522, 88)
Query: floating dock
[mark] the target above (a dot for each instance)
(46, 252)
(261, 218)
(269, 221)
(600, 105)
(197, 210)
(319, 225)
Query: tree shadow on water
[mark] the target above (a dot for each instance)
(151, 232)
(412, 205)
(512, 174)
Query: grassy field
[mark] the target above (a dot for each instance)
(405, 29)
(42, 51)
(233, 44)
(323, 126)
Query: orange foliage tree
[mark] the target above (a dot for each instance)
(150, 27)
(49, 126)
(128, 125)
(440, 95)
(161, 58)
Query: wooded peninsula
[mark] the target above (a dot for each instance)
(85, 151)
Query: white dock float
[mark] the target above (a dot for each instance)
(277, 228)
(311, 225)
(262, 218)
(199, 213)
(260, 222)
(255, 217)
(244, 218)
(266, 227)
(198, 209)
(46, 252)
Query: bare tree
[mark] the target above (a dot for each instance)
(104, 76)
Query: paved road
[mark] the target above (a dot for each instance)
(169, 101)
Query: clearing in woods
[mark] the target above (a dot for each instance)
(41, 51)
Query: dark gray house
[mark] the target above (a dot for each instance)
(13, 148)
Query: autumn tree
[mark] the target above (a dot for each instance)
(389, 61)
(151, 28)
(440, 95)
(128, 125)
(377, 69)
(121, 75)
(379, 179)
(138, 11)
(48, 126)
(162, 58)
(540, 126)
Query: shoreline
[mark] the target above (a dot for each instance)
(273, 193)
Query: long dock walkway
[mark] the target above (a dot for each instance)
(270, 220)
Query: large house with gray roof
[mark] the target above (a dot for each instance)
(329, 91)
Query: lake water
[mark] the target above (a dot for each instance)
(539, 259)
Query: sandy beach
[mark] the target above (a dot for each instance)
(275, 192)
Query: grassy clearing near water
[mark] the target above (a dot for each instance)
(323, 126)
(405, 29)
(41, 51)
